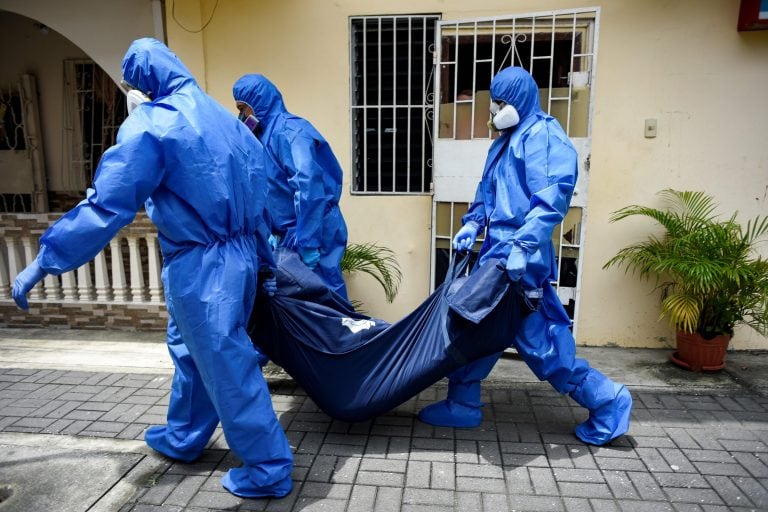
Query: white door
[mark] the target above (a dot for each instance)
(559, 49)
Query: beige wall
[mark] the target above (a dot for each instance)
(682, 63)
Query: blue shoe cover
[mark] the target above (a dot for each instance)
(449, 413)
(157, 439)
(238, 481)
(608, 421)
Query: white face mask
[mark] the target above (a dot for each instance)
(134, 98)
(503, 117)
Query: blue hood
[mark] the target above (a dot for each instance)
(152, 68)
(261, 95)
(515, 86)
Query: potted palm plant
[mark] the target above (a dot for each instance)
(707, 270)
(378, 262)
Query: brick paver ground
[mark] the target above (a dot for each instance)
(685, 452)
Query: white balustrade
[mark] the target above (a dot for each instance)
(85, 291)
(103, 292)
(119, 287)
(5, 278)
(137, 273)
(69, 286)
(153, 260)
(105, 282)
(52, 287)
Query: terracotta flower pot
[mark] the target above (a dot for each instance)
(696, 354)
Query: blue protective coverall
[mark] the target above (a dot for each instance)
(200, 176)
(305, 187)
(529, 177)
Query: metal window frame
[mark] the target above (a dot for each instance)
(424, 105)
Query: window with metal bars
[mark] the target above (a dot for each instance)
(94, 110)
(392, 103)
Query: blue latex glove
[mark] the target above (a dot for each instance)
(25, 281)
(516, 263)
(269, 284)
(310, 256)
(465, 238)
(273, 242)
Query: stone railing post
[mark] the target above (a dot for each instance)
(137, 273)
(155, 285)
(119, 286)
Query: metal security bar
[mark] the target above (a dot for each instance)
(94, 110)
(556, 48)
(392, 103)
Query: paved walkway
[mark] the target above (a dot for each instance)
(697, 442)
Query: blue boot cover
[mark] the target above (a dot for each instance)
(609, 405)
(244, 482)
(192, 417)
(460, 409)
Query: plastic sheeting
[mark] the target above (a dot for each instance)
(355, 367)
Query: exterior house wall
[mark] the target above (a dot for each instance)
(42, 57)
(100, 31)
(682, 63)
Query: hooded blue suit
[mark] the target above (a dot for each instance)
(200, 176)
(305, 185)
(525, 191)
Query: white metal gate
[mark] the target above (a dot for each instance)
(559, 49)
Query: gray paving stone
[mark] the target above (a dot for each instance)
(215, 500)
(620, 485)
(577, 505)
(536, 503)
(495, 502)
(599, 505)
(543, 481)
(479, 470)
(380, 478)
(184, 491)
(584, 490)
(388, 499)
(418, 474)
(720, 468)
(518, 481)
(646, 486)
(428, 497)
(681, 480)
(754, 490)
(578, 475)
(701, 496)
(323, 490)
(442, 476)
(645, 506)
(345, 470)
(362, 498)
(468, 501)
(386, 465)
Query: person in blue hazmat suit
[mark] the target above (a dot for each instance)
(305, 187)
(201, 178)
(529, 177)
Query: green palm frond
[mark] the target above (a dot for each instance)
(378, 262)
(710, 277)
